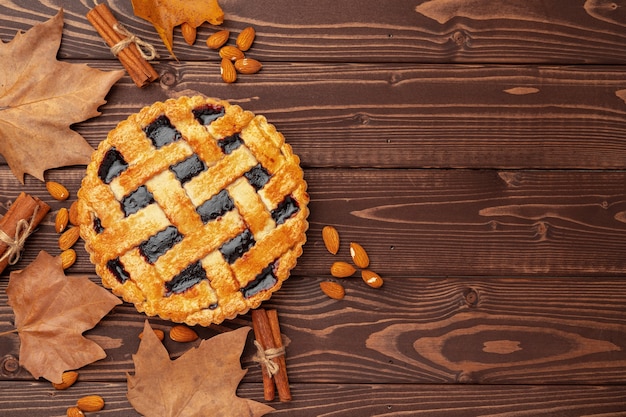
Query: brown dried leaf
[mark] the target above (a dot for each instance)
(41, 97)
(51, 313)
(167, 14)
(206, 379)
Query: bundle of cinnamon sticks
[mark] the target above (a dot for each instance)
(25, 209)
(267, 333)
(105, 23)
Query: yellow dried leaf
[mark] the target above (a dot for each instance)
(165, 15)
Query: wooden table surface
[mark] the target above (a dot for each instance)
(477, 150)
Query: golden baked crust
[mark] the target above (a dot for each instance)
(194, 210)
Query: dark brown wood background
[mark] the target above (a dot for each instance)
(476, 149)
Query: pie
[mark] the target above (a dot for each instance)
(194, 210)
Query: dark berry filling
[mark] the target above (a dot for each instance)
(97, 225)
(257, 176)
(285, 210)
(186, 279)
(264, 281)
(206, 113)
(117, 268)
(230, 143)
(215, 206)
(237, 246)
(187, 169)
(161, 132)
(160, 243)
(137, 200)
(112, 165)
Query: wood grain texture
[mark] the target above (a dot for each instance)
(437, 222)
(423, 116)
(433, 116)
(412, 330)
(349, 400)
(575, 32)
(476, 152)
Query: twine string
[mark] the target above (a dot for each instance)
(265, 356)
(147, 51)
(23, 229)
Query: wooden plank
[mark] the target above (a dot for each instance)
(343, 400)
(561, 32)
(410, 116)
(474, 222)
(437, 222)
(411, 330)
(407, 116)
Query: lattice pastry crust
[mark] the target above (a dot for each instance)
(194, 210)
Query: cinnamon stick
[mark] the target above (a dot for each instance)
(284, 393)
(264, 335)
(26, 209)
(269, 391)
(105, 23)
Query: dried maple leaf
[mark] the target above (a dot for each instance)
(51, 313)
(202, 382)
(167, 14)
(41, 97)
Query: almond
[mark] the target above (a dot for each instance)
(183, 334)
(189, 33)
(67, 380)
(228, 71)
(160, 334)
(333, 289)
(218, 39)
(371, 278)
(341, 269)
(61, 220)
(90, 403)
(245, 38)
(248, 66)
(68, 257)
(57, 191)
(231, 53)
(331, 239)
(359, 256)
(74, 213)
(69, 237)
(74, 412)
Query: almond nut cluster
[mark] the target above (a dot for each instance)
(234, 60)
(341, 269)
(65, 223)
